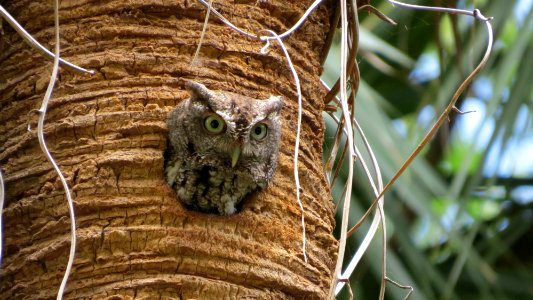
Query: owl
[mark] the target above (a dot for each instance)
(221, 147)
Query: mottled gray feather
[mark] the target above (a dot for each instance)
(198, 163)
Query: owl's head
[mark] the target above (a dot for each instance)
(235, 129)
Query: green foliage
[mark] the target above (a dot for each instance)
(456, 226)
(455, 156)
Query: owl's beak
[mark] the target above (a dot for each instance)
(235, 156)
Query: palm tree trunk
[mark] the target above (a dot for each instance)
(108, 134)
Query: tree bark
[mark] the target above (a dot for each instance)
(108, 134)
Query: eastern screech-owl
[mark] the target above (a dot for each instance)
(222, 147)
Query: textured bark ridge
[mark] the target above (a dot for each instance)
(108, 134)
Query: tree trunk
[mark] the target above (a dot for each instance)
(108, 134)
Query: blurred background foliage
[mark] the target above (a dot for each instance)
(460, 219)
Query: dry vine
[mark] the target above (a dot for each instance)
(40, 129)
(266, 38)
(380, 196)
(44, 148)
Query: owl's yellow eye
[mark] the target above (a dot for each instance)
(214, 124)
(259, 131)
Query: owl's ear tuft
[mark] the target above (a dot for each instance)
(198, 91)
(274, 104)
